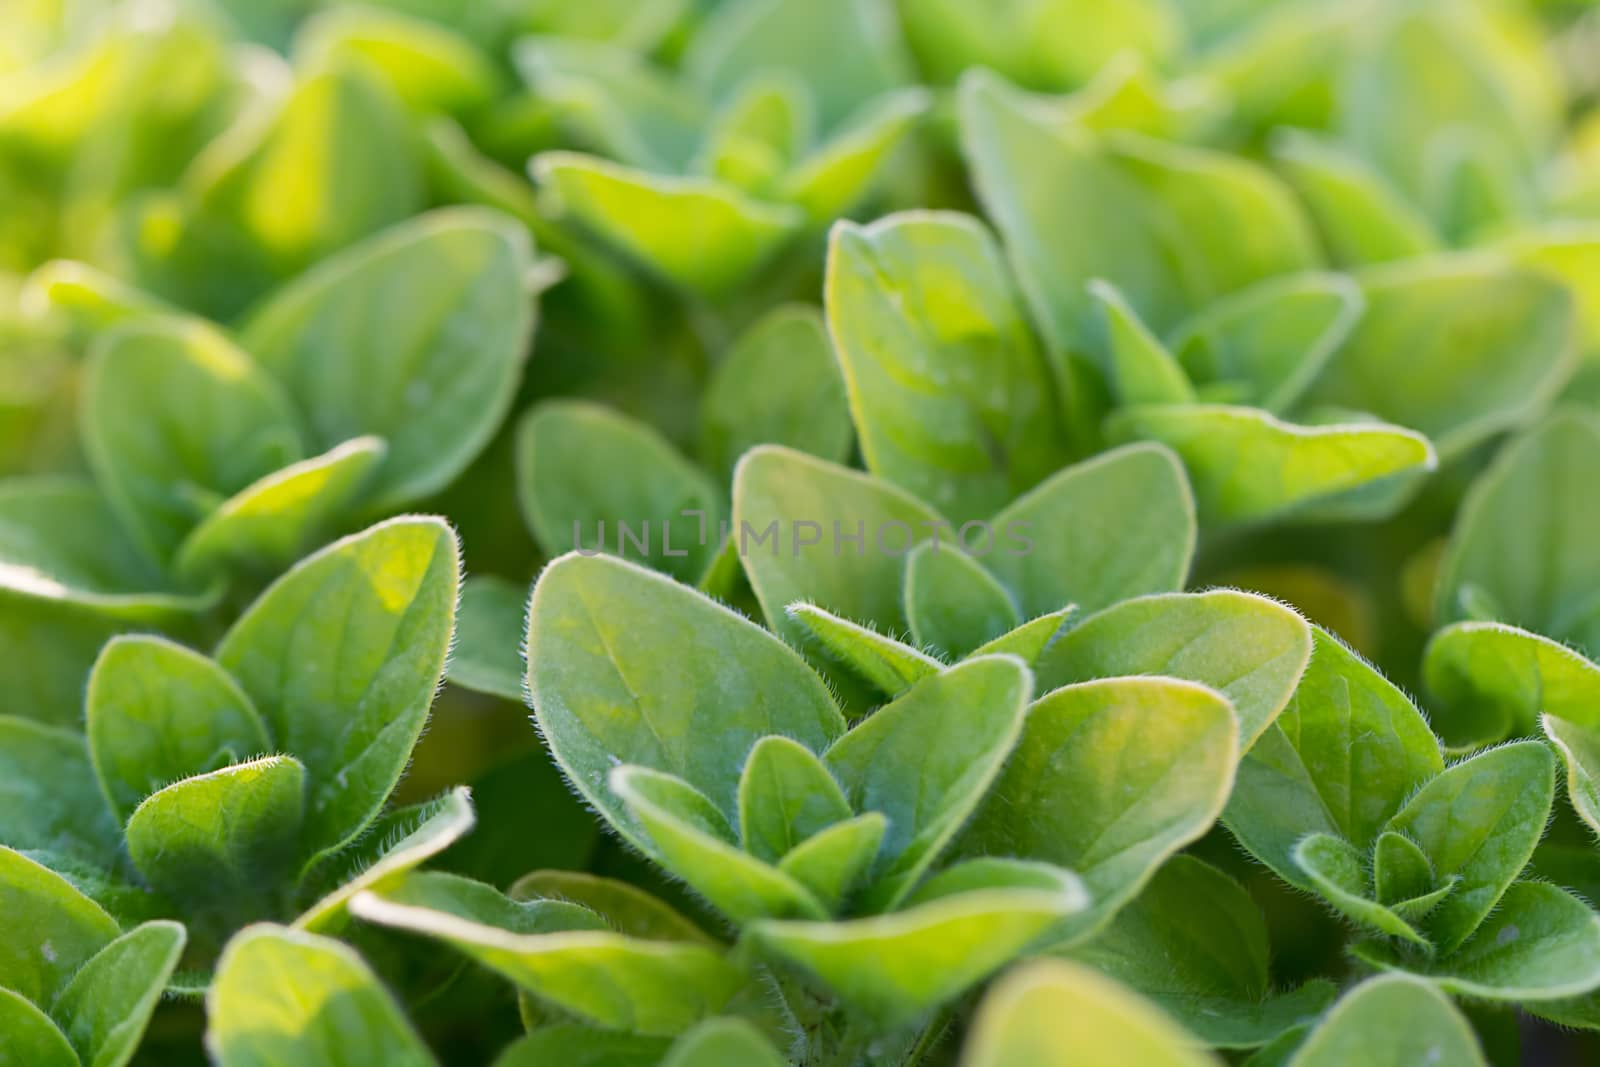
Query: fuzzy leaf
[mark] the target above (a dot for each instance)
(698, 234)
(1211, 976)
(952, 399)
(832, 180)
(1541, 943)
(1059, 1014)
(688, 836)
(717, 1042)
(1247, 465)
(1479, 821)
(285, 996)
(832, 862)
(176, 420)
(891, 666)
(780, 495)
(342, 656)
(591, 479)
(1117, 526)
(1250, 648)
(225, 839)
(1503, 354)
(952, 603)
(32, 1039)
(1109, 779)
(158, 712)
(416, 336)
(582, 1046)
(1333, 869)
(926, 760)
(1391, 1021)
(52, 929)
(895, 967)
(1141, 370)
(777, 384)
(606, 690)
(48, 800)
(1521, 540)
(1346, 753)
(270, 523)
(625, 908)
(1361, 216)
(434, 827)
(1401, 871)
(105, 1007)
(1274, 337)
(785, 796)
(563, 954)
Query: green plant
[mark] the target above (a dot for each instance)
(1033, 533)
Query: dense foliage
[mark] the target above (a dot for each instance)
(1032, 533)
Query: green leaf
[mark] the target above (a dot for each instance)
(717, 1042)
(61, 639)
(1251, 649)
(1049, 46)
(952, 603)
(1362, 218)
(1479, 820)
(756, 134)
(60, 541)
(613, 101)
(582, 1046)
(1274, 337)
(687, 835)
(777, 384)
(1492, 681)
(1506, 350)
(846, 52)
(433, 827)
(428, 67)
(175, 420)
(1521, 534)
(696, 233)
(105, 1008)
(951, 397)
(1401, 871)
(1248, 465)
(625, 908)
(926, 760)
(1211, 976)
(1333, 869)
(1028, 641)
(834, 178)
(608, 690)
(342, 656)
(785, 796)
(1174, 228)
(490, 622)
(224, 840)
(1139, 540)
(1141, 370)
(891, 666)
(1058, 1014)
(895, 967)
(812, 531)
(1579, 745)
(591, 479)
(52, 929)
(48, 800)
(1109, 779)
(416, 336)
(285, 996)
(1541, 943)
(345, 139)
(1568, 253)
(158, 712)
(1347, 752)
(832, 862)
(648, 987)
(1391, 1021)
(90, 301)
(32, 1039)
(270, 523)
